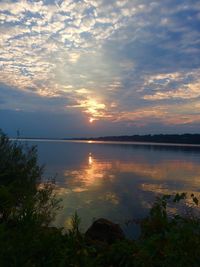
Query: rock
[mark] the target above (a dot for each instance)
(105, 231)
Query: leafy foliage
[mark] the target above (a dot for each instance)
(27, 207)
(23, 198)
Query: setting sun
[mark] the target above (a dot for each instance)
(91, 120)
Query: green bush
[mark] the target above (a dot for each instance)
(27, 207)
(23, 197)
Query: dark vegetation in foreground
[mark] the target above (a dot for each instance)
(27, 208)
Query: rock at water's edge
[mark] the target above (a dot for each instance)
(105, 231)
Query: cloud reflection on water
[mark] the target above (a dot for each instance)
(122, 189)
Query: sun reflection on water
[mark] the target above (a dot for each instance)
(90, 159)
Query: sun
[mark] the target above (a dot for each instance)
(91, 120)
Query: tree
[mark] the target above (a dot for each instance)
(24, 197)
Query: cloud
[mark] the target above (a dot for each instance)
(130, 56)
(176, 85)
(91, 107)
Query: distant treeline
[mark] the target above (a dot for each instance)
(157, 138)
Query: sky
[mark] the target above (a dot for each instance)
(74, 68)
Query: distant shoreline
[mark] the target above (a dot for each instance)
(162, 139)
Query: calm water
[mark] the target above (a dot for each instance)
(116, 181)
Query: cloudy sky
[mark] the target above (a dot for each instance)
(99, 67)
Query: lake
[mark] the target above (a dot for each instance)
(117, 181)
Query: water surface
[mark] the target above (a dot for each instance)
(116, 181)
